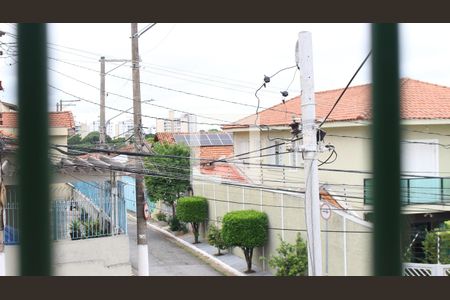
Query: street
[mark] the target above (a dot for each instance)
(166, 258)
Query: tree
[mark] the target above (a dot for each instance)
(94, 137)
(74, 139)
(215, 238)
(292, 259)
(246, 229)
(430, 244)
(171, 164)
(193, 210)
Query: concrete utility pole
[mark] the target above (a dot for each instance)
(309, 129)
(102, 125)
(140, 199)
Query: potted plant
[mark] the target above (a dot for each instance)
(75, 229)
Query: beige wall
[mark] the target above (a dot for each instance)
(287, 218)
(353, 154)
(106, 256)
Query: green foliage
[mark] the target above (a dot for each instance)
(246, 229)
(149, 137)
(75, 229)
(119, 140)
(193, 210)
(176, 225)
(292, 259)
(160, 216)
(74, 139)
(94, 138)
(213, 130)
(430, 245)
(92, 228)
(169, 188)
(215, 238)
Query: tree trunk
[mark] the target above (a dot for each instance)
(195, 228)
(173, 209)
(248, 253)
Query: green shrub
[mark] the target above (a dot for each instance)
(176, 225)
(430, 246)
(193, 210)
(75, 229)
(246, 229)
(215, 238)
(92, 228)
(160, 216)
(292, 259)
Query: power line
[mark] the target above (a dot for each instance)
(345, 89)
(131, 99)
(167, 88)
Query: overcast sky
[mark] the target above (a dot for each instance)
(225, 61)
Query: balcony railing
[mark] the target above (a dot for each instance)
(434, 190)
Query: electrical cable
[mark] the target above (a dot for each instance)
(345, 89)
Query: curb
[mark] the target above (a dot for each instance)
(208, 258)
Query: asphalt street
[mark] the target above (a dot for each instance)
(165, 257)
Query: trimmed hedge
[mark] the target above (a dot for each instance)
(246, 229)
(193, 210)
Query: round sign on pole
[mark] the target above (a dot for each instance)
(146, 212)
(325, 211)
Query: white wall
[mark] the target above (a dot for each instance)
(106, 256)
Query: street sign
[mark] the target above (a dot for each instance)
(325, 211)
(146, 212)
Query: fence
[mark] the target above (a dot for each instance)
(346, 240)
(74, 218)
(414, 269)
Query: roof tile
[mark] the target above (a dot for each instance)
(419, 100)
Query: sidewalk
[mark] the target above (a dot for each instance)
(227, 263)
(229, 259)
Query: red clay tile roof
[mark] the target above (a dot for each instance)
(216, 152)
(223, 170)
(325, 196)
(420, 100)
(164, 137)
(63, 119)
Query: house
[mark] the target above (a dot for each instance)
(206, 147)
(275, 177)
(425, 114)
(82, 218)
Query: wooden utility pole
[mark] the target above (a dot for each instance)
(309, 129)
(140, 199)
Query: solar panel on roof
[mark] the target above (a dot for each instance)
(204, 140)
(179, 139)
(192, 140)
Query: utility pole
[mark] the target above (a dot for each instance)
(140, 199)
(102, 125)
(309, 129)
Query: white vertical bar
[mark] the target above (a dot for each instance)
(282, 217)
(2, 264)
(215, 203)
(345, 245)
(228, 198)
(260, 200)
